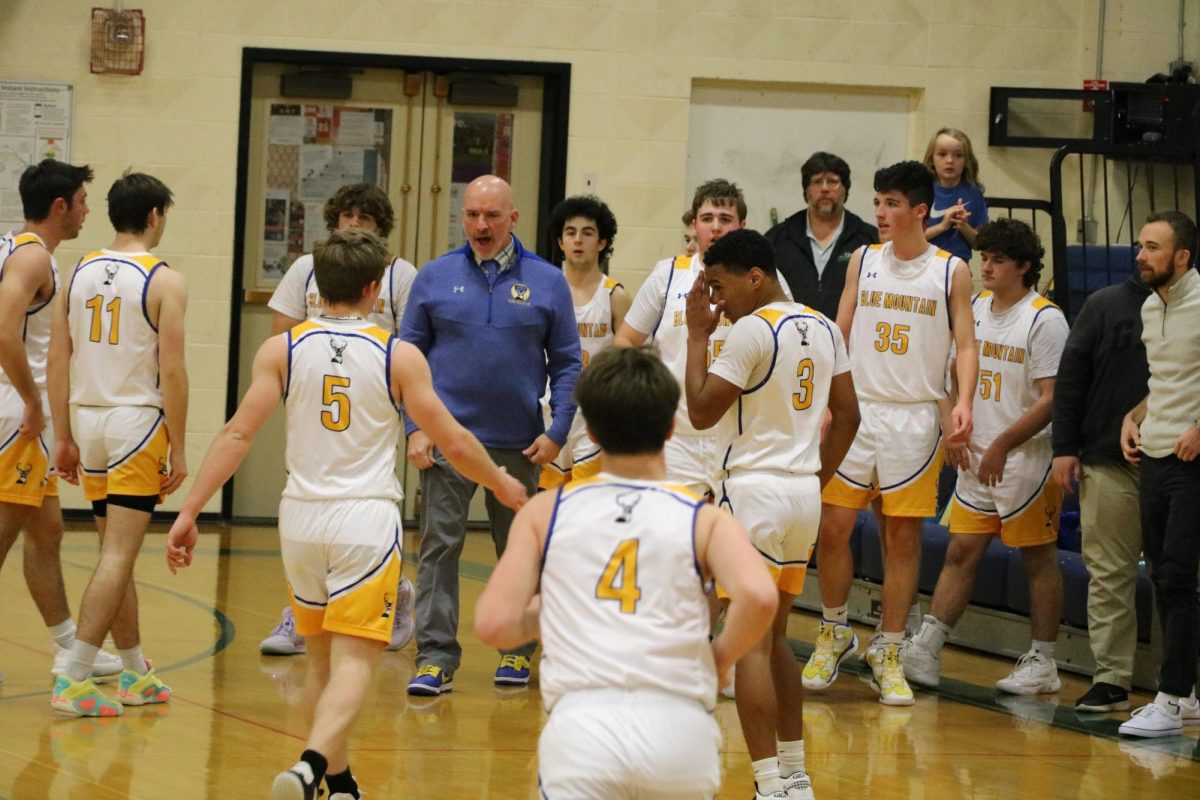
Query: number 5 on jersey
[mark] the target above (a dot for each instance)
(622, 565)
(336, 414)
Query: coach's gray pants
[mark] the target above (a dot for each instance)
(445, 499)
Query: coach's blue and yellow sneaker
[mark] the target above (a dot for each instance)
(430, 681)
(513, 671)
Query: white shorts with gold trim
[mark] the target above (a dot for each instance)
(122, 450)
(781, 513)
(692, 462)
(1023, 509)
(897, 454)
(342, 560)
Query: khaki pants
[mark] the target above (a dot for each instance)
(1112, 542)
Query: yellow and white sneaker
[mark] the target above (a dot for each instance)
(887, 678)
(835, 643)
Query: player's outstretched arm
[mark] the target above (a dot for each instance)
(230, 447)
(506, 615)
(412, 383)
(725, 553)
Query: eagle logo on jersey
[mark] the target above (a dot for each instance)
(520, 293)
(23, 473)
(338, 346)
(110, 272)
(802, 329)
(627, 500)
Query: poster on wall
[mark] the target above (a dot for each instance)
(483, 143)
(35, 123)
(312, 151)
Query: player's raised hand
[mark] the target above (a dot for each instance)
(702, 317)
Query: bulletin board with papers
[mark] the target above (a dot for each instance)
(35, 123)
(312, 151)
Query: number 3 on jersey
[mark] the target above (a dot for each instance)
(622, 565)
(336, 414)
(803, 398)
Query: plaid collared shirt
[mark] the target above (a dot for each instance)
(504, 259)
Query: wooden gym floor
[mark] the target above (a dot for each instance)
(234, 720)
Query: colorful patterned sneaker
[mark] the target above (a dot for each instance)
(106, 664)
(139, 690)
(888, 678)
(513, 671)
(297, 783)
(797, 786)
(284, 641)
(1103, 697)
(835, 643)
(81, 699)
(873, 655)
(430, 681)
(403, 626)
(1033, 674)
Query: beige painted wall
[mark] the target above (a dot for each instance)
(633, 67)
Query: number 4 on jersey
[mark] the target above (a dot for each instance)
(622, 565)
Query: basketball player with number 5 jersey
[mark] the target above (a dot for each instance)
(905, 304)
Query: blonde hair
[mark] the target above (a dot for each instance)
(970, 174)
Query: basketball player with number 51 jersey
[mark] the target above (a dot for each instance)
(609, 573)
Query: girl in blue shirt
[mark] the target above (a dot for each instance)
(958, 205)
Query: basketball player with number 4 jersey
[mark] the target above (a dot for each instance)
(341, 380)
(1007, 490)
(659, 313)
(609, 573)
(905, 304)
(117, 356)
(585, 229)
(782, 367)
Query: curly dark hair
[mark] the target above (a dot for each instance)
(367, 198)
(590, 207)
(1013, 239)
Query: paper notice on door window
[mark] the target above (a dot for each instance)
(325, 169)
(287, 125)
(355, 128)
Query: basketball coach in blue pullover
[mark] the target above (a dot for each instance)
(494, 320)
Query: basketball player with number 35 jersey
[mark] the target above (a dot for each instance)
(120, 331)
(609, 573)
(585, 228)
(783, 366)
(904, 305)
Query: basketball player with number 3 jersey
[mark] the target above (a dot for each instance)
(585, 228)
(782, 367)
(905, 304)
(609, 573)
(659, 313)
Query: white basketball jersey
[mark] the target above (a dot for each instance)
(783, 357)
(623, 603)
(594, 319)
(389, 307)
(900, 338)
(671, 333)
(36, 332)
(114, 344)
(343, 424)
(1016, 347)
